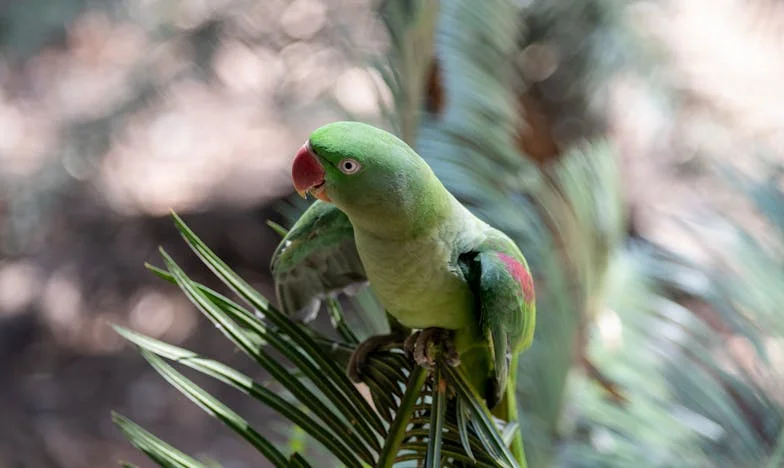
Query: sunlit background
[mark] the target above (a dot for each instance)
(114, 113)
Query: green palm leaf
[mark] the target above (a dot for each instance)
(214, 407)
(159, 451)
(335, 443)
(329, 408)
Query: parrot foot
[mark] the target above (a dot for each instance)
(425, 345)
(359, 358)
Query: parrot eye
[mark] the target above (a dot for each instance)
(349, 166)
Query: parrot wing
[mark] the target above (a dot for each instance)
(504, 290)
(317, 257)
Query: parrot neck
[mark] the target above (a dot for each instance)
(403, 213)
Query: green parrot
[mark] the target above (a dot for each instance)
(382, 217)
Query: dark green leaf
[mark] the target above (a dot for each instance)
(437, 417)
(366, 419)
(213, 406)
(448, 449)
(277, 228)
(218, 312)
(462, 427)
(397, 430)
(481, 418)
(159, 451)
(245, 384)
(298, 462)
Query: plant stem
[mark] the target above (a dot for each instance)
(511, 394)
(398, 428)
(437, 416)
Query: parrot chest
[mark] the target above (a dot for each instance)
(417, 280)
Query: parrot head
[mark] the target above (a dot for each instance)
(364, 171)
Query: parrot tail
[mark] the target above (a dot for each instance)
(507, 410)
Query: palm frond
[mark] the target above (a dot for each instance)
(389, 423)
(159, 451)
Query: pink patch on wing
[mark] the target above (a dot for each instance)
(520, 273)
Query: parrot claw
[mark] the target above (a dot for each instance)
(359, 358)
(423, 346)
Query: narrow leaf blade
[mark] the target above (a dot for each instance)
(214, 407)
(223, 313)
(316, 429)
(361, 410)
(397, 430)
(437, 417)
(462, 428)
(481, 419)
(159, 451)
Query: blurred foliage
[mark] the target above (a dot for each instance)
(697, 351)
(568, 215)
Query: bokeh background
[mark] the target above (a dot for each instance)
(113, 113)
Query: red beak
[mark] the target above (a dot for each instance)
(307, 173)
